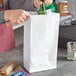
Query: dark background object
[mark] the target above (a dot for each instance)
(66, 34)
(73, 22)
(63, 41)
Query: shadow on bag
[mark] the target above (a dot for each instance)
(7, 40)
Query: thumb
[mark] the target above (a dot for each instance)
(39, 2)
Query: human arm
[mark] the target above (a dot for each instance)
(18, 4)
(28, 5)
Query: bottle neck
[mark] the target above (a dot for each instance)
(43, 4)
(42, 0)
(53, 1)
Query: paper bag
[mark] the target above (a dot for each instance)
(40, 42)
(7, 40)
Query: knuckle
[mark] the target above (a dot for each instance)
(19, 17)
(21, 10)
(22, 21)
(17, 20)
(21, 14)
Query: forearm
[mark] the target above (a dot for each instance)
(27, 5)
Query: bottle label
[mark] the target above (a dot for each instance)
(64, 11)
(65, 8)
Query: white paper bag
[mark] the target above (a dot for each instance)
(40, 42)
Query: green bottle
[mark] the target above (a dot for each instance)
(52, 7)
(42, 10)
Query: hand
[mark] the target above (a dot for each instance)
(37, 3)
(16, 16)
(48, 2)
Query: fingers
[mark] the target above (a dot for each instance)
(19, 21)
(37, 3)
(16, 16)
(48, 2)
(27, 14)
(22, 19)
(24, 16)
